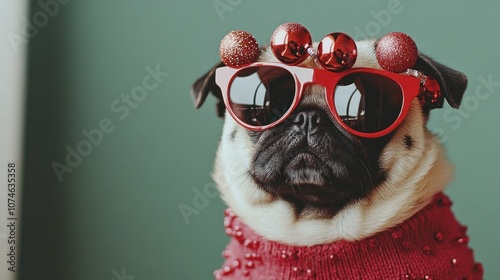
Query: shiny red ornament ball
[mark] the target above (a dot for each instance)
(290, 42)
(337, 52)
(238, 48)
(431, 93)
(396, 52)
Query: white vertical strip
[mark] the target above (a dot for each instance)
(13, 53)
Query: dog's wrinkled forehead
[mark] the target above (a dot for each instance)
(366, 55)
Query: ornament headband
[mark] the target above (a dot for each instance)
(291, 44)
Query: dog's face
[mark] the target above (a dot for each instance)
(308, 181)
(311, 162)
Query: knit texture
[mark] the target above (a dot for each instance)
(430, 245)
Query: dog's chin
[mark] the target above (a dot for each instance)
(306, 179)
(312, 195)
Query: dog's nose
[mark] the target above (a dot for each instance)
(308, 121)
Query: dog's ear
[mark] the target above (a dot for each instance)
(203, 86)
(452, 83)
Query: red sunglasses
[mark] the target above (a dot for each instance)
(366, 102)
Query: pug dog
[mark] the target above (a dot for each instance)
(311, 196)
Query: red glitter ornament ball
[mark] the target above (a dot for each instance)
(290, 42)
(337, 52)
(238, 48)
(396, 52)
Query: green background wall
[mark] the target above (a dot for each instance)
(118, 208)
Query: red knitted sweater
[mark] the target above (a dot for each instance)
(429, 245)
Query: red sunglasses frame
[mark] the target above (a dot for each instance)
(411, 87)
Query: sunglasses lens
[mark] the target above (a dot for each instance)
(368, 102)
(261, 95)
